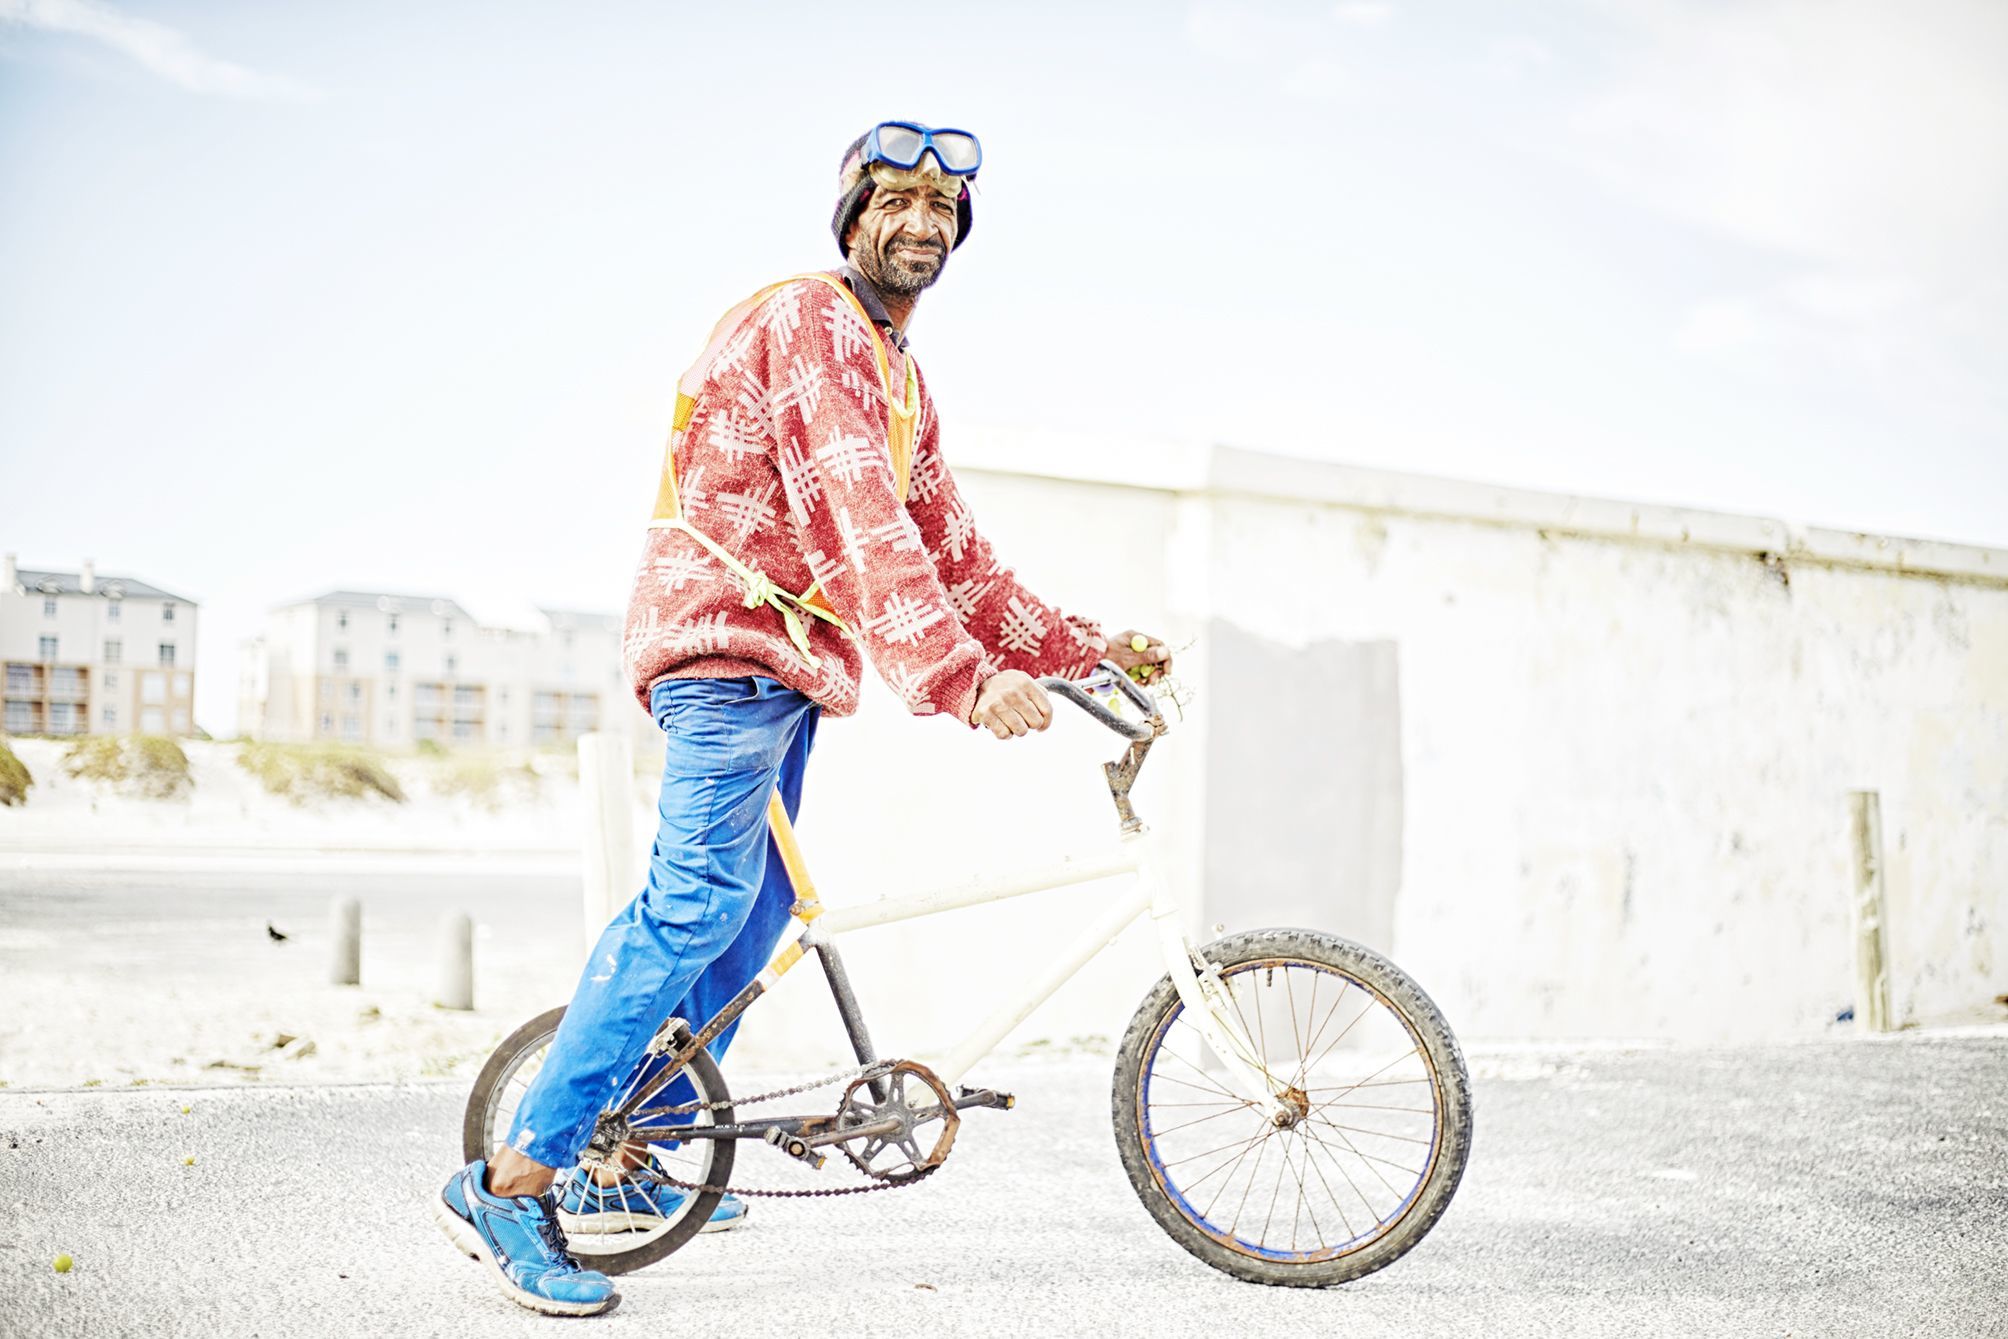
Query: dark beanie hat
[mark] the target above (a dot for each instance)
(856, 184)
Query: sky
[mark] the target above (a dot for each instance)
(384, 296)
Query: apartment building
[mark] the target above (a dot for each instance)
(86, 653)
(393, 671)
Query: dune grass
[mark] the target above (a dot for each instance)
(152, 767)
(307, 772)
(14, 777)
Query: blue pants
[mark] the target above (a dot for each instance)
(715, 905)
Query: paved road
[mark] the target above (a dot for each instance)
(1827, 1189)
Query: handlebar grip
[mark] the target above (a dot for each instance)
(1074, 693)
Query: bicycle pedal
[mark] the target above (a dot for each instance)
(984, 1097)
(797, 1148)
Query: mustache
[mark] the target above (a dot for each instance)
(896, 243)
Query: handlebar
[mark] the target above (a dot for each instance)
(1072, 691)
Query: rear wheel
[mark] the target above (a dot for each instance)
(1379, 1125)
(649, 1221)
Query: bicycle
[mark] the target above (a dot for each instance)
(1221, 1049)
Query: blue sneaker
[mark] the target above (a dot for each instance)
(520, 1237)
(634, 1206)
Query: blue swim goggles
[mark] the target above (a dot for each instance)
(902, 144)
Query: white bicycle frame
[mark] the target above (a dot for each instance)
(1207, 1005)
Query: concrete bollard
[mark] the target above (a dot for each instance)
(606, 780)
(1869, 913)
(345, 966)
(456, 961)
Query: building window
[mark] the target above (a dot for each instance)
(327, 724)
(355, 691)
(390, 626)
(112, 612)
(114, 648)
(391, 692)
(463, 729)
(21, 679)
(111, 681)
(181, 720)
(111, 718)
(153, 688)
(151, 721)
(167, 655)
(390, 662)
(20, 718)
(47, 648)
(342, 620)
(64, 718)
(446, 628)
(48, 606)
(351, 728)
(452, 663)
(167, 612)
(341, 657)
(181, 685)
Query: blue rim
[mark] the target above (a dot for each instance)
(1161, 1174)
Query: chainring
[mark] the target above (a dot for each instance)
(916, 1098)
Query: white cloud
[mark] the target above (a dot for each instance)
(1363, 13)
(156, 46)
(1315, 81)
(1843, 132)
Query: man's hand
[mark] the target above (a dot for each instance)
(1011, 703)
(1140, 655)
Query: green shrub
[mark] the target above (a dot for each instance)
(152, 767)
(303, 772)
(14, 777)
(431, 748)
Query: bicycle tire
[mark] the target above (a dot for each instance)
(1435, 1043)
(478, 1136)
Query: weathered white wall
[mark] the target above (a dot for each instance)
(1613, 804)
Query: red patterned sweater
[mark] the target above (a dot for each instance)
(785, 465)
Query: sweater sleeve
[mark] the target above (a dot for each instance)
(1018, 629)
(811, 360)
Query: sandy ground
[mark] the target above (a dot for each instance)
(1831, 1189)
(155, 973)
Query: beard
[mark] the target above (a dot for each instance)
(891, 272)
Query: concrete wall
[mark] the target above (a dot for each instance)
(1580, 766)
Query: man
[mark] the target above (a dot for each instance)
(806, 457)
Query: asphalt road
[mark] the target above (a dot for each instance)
(1831, 1189)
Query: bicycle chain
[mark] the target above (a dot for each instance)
(877, 1069)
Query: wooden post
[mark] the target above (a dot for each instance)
(345, 922)
(456, 961)
(1871, 935)
(606, 780)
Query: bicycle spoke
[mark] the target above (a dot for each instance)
(1346, 1175)
(1319, 1172)
(1261, 1147)
(1207, 1212)
(1370, 1158)
(1197, 1120)
(1195, 1069)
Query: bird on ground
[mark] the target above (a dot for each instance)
(278, 936)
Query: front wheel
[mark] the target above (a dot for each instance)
(1379, 1122)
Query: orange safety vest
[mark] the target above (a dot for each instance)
(899, 440)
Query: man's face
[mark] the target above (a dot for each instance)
(901, 240)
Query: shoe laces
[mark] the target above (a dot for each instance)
(548, 1229)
